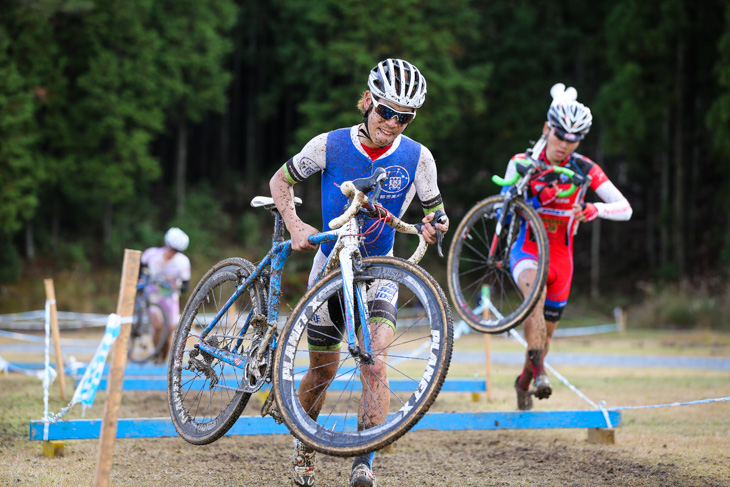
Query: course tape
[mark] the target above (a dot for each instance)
(33, 320)
(460, 328)
(6, 367)
(36, 339)
(674, 404)
(600, 406)
(86, 390)
(585, 330)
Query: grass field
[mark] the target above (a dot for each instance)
(687, 445)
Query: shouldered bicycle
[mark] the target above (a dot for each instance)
(480, 279)
(228, 344)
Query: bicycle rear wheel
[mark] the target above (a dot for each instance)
(142, 347)
(206, 395)
(416, 358)
(480, 278)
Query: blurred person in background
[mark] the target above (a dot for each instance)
(166, 272)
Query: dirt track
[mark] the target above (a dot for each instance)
(421, 458)
(654, 447)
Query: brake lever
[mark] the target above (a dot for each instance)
(438, 217)
(578, 179)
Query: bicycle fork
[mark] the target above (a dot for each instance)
(350, 291)
(498, 229)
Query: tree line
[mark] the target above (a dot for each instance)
(119, 118)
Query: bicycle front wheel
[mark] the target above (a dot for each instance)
(206, 395)
(416, 357)
(479, 269)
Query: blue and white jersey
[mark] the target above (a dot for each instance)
(339, 156)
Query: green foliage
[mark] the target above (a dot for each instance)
(718, 118)
(19, 172)
(685, 306)
(191, 57)
(343, 40)
(250, 235)
(74, 256)
(204, 221)
(115, 87)
(11, 263)
(92, 93)
(637, 98)
(137, 227)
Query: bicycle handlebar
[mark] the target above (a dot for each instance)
(576, 179)
(356, 189)
(149, 279)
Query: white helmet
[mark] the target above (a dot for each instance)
(398, 81)
(571, 119)
(177, 239)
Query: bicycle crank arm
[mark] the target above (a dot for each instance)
(266, 339)
(269, 407)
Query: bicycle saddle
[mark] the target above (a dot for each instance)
(268, 202)
(366, 185)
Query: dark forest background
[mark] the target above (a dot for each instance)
(120, 118)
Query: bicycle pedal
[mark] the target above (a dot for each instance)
(276, 415)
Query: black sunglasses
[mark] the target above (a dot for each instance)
(386, 113)
(566, 136)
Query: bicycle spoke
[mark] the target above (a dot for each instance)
(206, 404)
(395, 296)
(471, 275)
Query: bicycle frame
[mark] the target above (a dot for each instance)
(521, 179)
(346, 251)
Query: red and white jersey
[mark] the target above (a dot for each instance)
(559, 214)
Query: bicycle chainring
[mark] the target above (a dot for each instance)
(256, 373)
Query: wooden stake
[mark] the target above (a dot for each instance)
(487, 344)
(622, 322)
(51, 296)
(601, 436)
(619, 315)
(125, 308)
(488, 357)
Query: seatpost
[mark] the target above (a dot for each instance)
(279, 227)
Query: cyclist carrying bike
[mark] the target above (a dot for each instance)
(167, 271)
(568, 121)
(397, 89)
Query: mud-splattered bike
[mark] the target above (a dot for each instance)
(229, 345)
